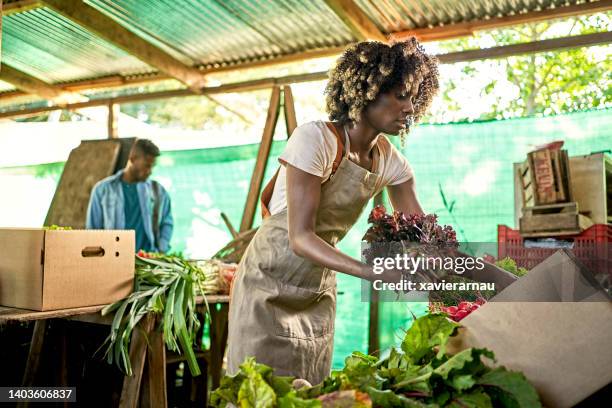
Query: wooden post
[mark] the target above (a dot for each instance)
(33, 363)
(113, 121)
(154, 389)
(138, 354)
(218, 341)
(289, 110)
(34, 357)
(373, 340)
(262, 161)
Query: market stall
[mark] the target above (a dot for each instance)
(158, 323)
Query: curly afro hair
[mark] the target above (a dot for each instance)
(369, 68)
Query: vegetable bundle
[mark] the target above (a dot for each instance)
(418, 375)
(165, 285)
(413, 228)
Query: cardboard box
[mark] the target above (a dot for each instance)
(554, 325)
(57, 269)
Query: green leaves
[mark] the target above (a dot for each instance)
(475, 399)
(360, 372)
(420, 375)
(254, 392)
(510, 389)
(465, 361)
(510, 265)
(426, 333)
(228, 390)
(390, 399)
(291, 400)
(164, 286)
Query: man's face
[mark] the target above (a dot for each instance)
(142, 166)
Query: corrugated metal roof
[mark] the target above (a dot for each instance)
(227, 31)
(399, 15)
(46, 45)
(211, 33)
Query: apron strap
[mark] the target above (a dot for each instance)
(266, 194)
(340, 149)
(338, 159)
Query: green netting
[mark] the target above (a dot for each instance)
(471, 162)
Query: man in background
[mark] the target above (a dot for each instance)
(130, 200)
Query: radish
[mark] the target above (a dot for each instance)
(463, 305)
(461, 314)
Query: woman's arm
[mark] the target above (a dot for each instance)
(303, 196)
(404, 198)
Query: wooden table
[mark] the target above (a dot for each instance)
(148, 363)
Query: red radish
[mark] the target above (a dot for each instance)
(451, 309)
(461, 314)
(463, 305)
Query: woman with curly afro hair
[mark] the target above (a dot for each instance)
(283, 300)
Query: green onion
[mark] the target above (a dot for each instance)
(167, 286)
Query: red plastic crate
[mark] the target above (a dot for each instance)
(593, 247)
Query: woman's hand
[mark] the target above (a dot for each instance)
(303, 197)
(404, 198)
(388, 275)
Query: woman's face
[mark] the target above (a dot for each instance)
(388, 113)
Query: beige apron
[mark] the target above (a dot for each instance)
(282, 306)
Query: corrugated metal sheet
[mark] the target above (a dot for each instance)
(212, 32)
(399, 15)
(50, 47)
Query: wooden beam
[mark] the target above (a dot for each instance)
(468, 28)
(258, 84)
(113, 121)
(113, 32)
(262, 160)
(356, 20)
(528, 48)
(229, 225)
(12, 7)
(118, 80)
(111, 81)
(272, 61)
(30, 84)
(289, 110)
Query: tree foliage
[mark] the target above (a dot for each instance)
(542, 83)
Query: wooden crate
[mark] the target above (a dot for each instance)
(545, 178)
(526, 184)
(590, 185)
(553, 220)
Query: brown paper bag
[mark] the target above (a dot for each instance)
(564, 348)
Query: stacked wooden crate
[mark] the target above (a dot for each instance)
(557, 195)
